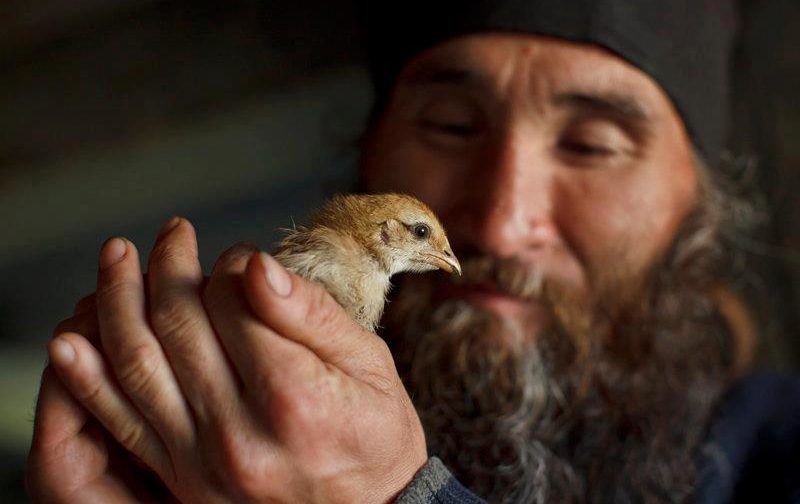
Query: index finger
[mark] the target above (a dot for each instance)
(136, 356)
(182, 325)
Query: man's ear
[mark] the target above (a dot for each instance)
(741, 323)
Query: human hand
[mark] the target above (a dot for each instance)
(239, 390)
(72, 459)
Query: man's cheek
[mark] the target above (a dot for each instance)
(606, 248)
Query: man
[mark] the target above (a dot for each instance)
(585, 356)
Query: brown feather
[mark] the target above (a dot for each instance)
(355, 243)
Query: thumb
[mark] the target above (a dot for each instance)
(304, 312)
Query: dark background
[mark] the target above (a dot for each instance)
(241, 114)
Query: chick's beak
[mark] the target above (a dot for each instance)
(446, 260)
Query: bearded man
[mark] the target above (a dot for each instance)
(588, 353)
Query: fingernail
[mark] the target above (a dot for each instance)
(61, 352)
(112, 252)
(277, 276)
(169, 226)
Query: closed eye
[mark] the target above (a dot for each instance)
(594, 141)
(586, 149)
(451, 116)
(451, 128)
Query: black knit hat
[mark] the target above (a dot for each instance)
(684, 45)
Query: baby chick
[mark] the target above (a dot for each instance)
(356, 242)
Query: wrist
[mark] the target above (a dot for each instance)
(404, 477)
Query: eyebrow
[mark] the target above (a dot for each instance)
(616, 105)
(611, 104)
(438, 74)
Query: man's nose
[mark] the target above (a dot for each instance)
(508, 211)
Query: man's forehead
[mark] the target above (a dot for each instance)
(563, 73)
(684, 45)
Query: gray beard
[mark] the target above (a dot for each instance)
(609, 405)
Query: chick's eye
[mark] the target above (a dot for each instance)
(422, 231)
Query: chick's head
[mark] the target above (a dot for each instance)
(414, 240)
(400, 231)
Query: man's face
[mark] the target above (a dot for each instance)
(559, 155)
(569, 191)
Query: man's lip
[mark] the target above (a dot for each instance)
(487, 297)
(476, 292)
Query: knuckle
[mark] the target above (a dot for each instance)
(234, 255)
(171, 318)
(377, 366)
(135, 437)
(130, 435)
(231, 448)
(90, 389)
(137, 370)
(382, 382)
(116, 287)
(168, 252)
(295, 410)
(321, 311)
(382, 369)
(384, 357)
(237, 471)
(246, 480)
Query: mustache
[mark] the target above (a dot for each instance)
(573, 314)
(508, 275)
